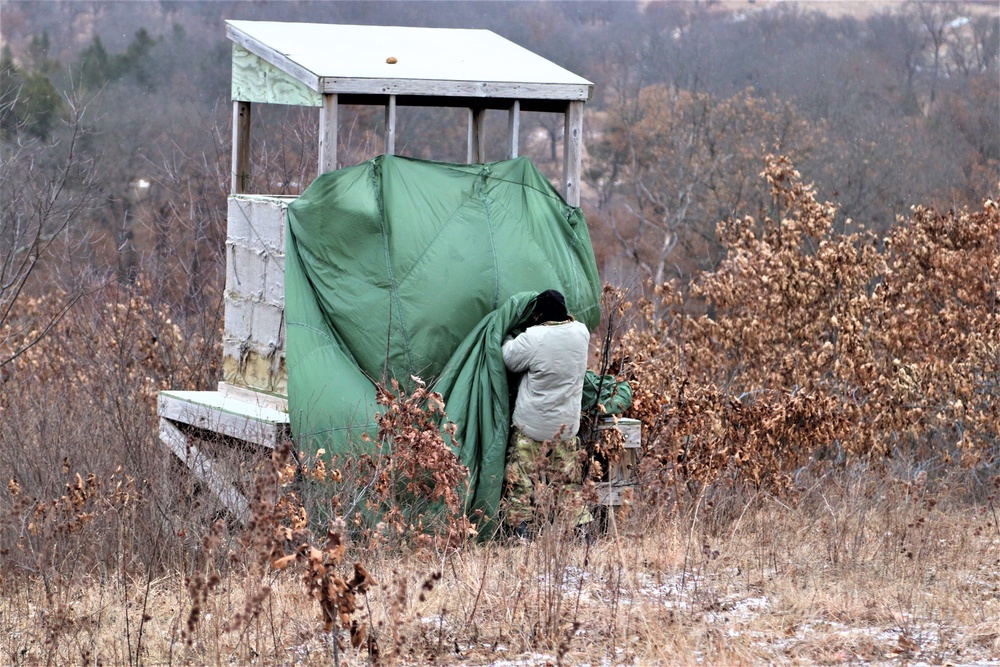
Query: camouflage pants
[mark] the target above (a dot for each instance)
(541, 477)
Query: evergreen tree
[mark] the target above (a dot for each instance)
(29, 102)
(96, 67)
(10, 84)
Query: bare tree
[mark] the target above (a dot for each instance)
(935, 18)
(44, 187)
(687, 161)
(974, 44)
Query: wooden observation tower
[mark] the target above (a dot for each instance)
(326, 66)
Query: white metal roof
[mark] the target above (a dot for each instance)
(332, 58)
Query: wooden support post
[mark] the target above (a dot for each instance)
(621, 473)
(477, 136)
(513, 129)
(573, 152)
(328, 134)
(205, 470)
(390, 126)
(469, 151)
(241, 147)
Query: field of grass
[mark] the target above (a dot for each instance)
(857, 568)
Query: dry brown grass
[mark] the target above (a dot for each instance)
(859, 570)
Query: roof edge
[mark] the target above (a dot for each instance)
(293, 69)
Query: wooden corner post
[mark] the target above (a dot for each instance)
(328, 134)
(390, 126)
(477, 136)
(573, 152)
(241, 147)
(513, 129)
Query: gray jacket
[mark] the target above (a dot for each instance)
(553, 358)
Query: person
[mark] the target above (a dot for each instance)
(551, 354)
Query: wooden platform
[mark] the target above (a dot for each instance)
(219, 412)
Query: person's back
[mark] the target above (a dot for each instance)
(553, 358)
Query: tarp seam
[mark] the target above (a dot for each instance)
(437, 235)
(393, 287)
(316, 330)
(489, 228)
(551, 194)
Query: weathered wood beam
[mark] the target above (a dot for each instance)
(477, 135)
(261, 399)
(390, 126)
(241, 148)
(235, 418)
(328, 134)
(623, 473)
(205, 470)
(449, 88)
(513, 129)
(496, 103)
(573, 152)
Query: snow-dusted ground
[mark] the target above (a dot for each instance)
(743, 618)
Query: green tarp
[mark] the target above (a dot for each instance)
(402, 268)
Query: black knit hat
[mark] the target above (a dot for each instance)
(550, 306)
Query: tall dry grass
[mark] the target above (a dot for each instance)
(861, 569)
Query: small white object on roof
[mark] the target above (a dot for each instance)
(356, 59)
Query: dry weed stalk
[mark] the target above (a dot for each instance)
(281, 536)
(410, 493)
(51, 544)
(419, 484)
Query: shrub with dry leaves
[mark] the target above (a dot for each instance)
(808, 345)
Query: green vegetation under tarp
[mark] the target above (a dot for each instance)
(402, 268)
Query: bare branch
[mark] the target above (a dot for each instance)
(44, 187)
